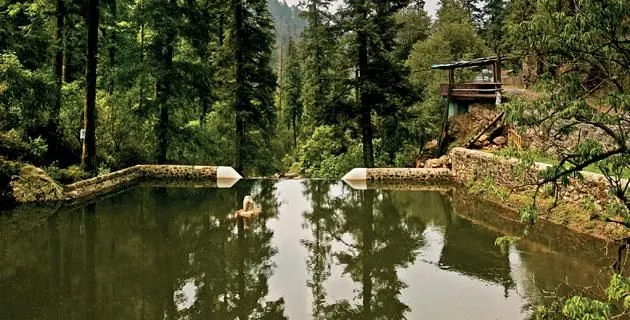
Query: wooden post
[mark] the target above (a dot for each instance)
(444, 134)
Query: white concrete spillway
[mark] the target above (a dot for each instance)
(356, 178)
(227, 177)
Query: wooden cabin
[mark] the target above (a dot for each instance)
(486, 88)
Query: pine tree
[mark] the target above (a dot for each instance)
(494, 11)
(473, 7)
(379, 80)
(317, 45)
(165, 25)
(255, 82)
(88, 158)
(292, 86)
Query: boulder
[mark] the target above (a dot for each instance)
(441, 162)
(500, 141)
(35, 185)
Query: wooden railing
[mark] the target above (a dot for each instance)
(475, 90)
(515, 138)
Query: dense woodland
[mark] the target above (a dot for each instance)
(311, 89)
(264, 87)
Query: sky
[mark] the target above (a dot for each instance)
(431, 5)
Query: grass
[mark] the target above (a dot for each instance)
(539, 156)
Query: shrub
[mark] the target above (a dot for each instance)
(66, 176)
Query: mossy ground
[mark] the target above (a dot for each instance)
(582, 217)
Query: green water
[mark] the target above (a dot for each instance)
(319, 250)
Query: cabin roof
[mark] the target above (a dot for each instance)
(466, 63)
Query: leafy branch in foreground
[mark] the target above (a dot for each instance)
(585, 48)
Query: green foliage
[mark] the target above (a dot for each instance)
(582, 308)
(529, 214)
(504, 242)
(414, 26)
(487, 187)
(325, 155)
(494, 11)
(292, 102)
(583, 46)
(26, 97)
(65, 176)
(619, 290)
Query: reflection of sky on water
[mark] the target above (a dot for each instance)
(186, 296)
(433, 291)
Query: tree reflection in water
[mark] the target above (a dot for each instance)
(153, 253)
(377, 240)
(149, 253)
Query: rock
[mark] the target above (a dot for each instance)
(441, 162)
(500, 141)
(35, 185)
(483, 138)
(433, 144)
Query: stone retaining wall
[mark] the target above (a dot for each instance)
(132, 175)
(470, 165)
(407, 175)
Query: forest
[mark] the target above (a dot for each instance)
(214, 82)
(90, 86)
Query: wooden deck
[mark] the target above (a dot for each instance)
(471, 91)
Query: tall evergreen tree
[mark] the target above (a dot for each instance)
(316, 45)
(88, 158)
(163, 46)
(494, 13)
(254, 82)
(292, 86)
(474, 9)
(379, 79)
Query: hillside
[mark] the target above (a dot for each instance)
(287, 22)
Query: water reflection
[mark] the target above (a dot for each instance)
(375, 240)
(318, 250)
(149, 253)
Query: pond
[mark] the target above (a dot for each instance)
(318, 250)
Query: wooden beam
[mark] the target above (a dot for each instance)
(473, 140)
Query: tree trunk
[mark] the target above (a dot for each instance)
(88, 158)
(69, 73)
(204, 107)
(163, 92)
(112, 49)
(294, 128)
(367, 247)
(240, 99)
(53, 124)
(365, 114)
(58, 59)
